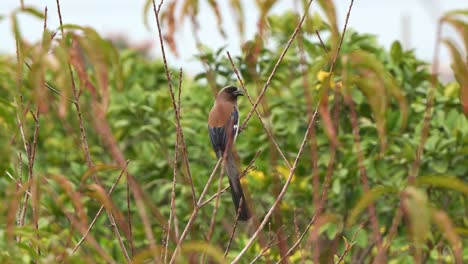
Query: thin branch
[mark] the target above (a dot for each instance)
(51, 88)
(19, 186)
(280, 59)
(362, 169)
(84, 140)
(313, 139)
(129, 217)
(18, 183)
(177, 113)
(35, 202)
(269, 245)
(172, 213)
(31, 154)
(281, 194)
(245, 172)
(327, 182)
(78, 226)
(119, 239)
(349, 245)
(321, 42)
(214, 213)
(124, 169)
(342, 36)
(195, 211)
(231, 236)
(319, 209)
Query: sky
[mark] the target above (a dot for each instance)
(383, 18)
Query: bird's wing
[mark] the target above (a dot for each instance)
(224, 136)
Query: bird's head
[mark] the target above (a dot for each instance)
(230, 93)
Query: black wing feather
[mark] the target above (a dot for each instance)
(218, 135)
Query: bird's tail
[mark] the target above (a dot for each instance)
(236, 188)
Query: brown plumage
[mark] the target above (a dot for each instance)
(223, 126)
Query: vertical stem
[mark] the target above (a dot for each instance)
(362, 169)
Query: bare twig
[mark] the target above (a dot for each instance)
(172, 213)
(313, 139)
(267, 83)
(34, 191)
(362, 169)
(281, 194)
(269, 245)
(348, 245)
(245, 172)
(321, 42)
(79, 226)
(234, 228)
(327, 182)
(84, 140)
(213, 214)
(195, 212)
(124, 169)
(19, 187)
(51, 88)
(342, 36)
(119, 239)
(30, 152)
(177, 113)
(129, 217)
(18, 183)
(323, 198)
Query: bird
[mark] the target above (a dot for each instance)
(223, 128)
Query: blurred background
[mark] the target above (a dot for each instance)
(413, 22)
(361, 182)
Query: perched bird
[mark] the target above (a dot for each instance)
(223, 127)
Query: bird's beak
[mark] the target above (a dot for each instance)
(239, 92)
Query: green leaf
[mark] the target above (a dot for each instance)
(146, 8)
(443, 222)
(32, 11)
(460, 70)
(439, 165)
(462, 28)
(396, 52)
(202, 247)
(362, 238)
(415, 207)
(367, 199)
(31, 252)
(445, 181)
(331, 230)
(457, 12)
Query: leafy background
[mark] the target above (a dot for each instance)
(382, 178)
